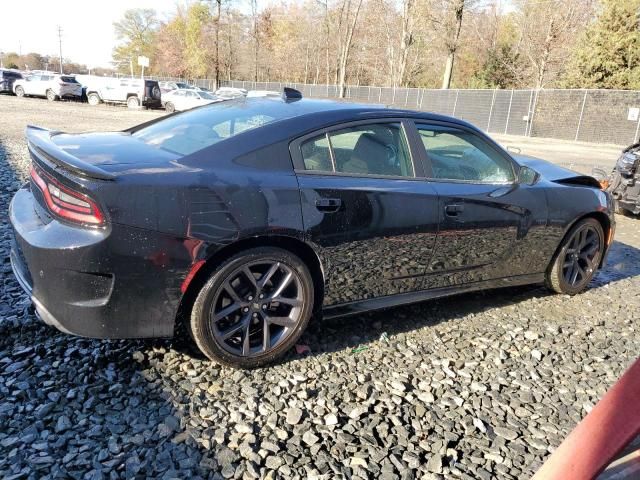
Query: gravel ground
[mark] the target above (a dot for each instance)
(478, 386)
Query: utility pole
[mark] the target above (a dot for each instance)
(60, 46)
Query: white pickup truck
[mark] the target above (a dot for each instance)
(134, 92)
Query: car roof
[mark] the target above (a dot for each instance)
(318, 111)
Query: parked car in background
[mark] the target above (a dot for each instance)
(624, 180)
(242, 219)
(179, 100)
(134, 92)
(7, 78)
(51, 86)
(262, 93)
(167, 87)
(230, 92)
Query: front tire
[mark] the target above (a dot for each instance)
(578, 258)
(254, 308)
(169, 107)
(93, 99)
(51, 96)
(20, 92)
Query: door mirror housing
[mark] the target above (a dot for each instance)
(527, 175)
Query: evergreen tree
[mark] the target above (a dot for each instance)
(608, 55)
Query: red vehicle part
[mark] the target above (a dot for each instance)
(601, 435)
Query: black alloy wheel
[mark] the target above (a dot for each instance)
(578, 258)
(254, 308)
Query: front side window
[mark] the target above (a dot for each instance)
(372, 149)
(462, 156)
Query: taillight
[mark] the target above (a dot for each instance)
(65, 202)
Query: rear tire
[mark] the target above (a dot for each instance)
(133, 102)
(93, 99)
(51, 96)
(169, 107)
(577, 260)
(254, 308)
(19, 92)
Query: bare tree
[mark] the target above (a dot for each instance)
(548, 30)
(347, 22)
(218, 5)
(451, 24)
(255, 33)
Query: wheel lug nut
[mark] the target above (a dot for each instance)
(255, 315)
(245, 309)
(262, 295)
(264, 307)
(249, 298)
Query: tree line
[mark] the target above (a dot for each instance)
(412, 43)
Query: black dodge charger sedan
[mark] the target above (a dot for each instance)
(239, 221)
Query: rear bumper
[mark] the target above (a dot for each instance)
(111, 283)
(69, 92)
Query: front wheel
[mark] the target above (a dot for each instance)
(577, 261)
(51, 96)
(133, 102)
(169, 107)
(19, 92)
(254, 308)
(93, 99)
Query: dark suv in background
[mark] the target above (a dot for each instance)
(7, 77)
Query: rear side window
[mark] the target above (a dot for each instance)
(69, 79)
(462, 156)
(317, 154)
(372, 149)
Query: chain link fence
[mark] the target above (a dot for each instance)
(598, 116)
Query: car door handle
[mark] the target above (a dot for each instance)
(328, 204)
(453, 209)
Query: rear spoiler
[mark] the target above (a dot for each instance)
(41, 146)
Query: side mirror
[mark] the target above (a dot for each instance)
(527, 175)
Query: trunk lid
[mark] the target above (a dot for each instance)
(95, 155)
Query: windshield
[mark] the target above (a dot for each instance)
(182, 85)
(207, 96)
(194, 130)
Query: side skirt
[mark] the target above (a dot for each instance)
(379, 303)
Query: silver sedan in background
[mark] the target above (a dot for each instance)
(182, 99)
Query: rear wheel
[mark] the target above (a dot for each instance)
(169, 107)
(576, 263)
(93, 99)
(133, 102)
(19, 91)
(254, 308)
(51, 96)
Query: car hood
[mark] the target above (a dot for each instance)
(112, 151)
(547, 169)
(557, 174)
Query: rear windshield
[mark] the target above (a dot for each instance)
(69, 79)
(194, 130)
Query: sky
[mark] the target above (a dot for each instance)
(87, 26)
